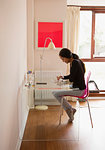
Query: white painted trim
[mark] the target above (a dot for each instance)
(18, 144)
(19, 141)
(23, 127)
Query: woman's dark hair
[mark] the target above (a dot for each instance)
(65, 52)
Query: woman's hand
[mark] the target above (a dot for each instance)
(59, 77)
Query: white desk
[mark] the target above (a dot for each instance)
(43, 92)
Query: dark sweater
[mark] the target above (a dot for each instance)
(77, 70)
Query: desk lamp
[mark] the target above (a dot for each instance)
(50, 46)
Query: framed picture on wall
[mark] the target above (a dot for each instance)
(53, 30)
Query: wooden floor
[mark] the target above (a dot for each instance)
(42, 131)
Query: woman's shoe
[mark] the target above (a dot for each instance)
(70, 114)
(74, 111)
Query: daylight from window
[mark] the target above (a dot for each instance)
(99, 35)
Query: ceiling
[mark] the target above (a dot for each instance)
(86, 2)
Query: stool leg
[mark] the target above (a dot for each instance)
(90, 113)
(61, 111)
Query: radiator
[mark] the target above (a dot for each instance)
(46, 94)
(46, 75)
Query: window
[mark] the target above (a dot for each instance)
(92, 34)
(100, 35)
(85, 34)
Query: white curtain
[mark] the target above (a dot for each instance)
(73, 21)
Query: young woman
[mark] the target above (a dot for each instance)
(76, 76)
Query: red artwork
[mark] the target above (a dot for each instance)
(53, 30)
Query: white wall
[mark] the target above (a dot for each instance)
(12, 68)
(30, 34)
(46, 10)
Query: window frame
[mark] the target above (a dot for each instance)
(94, 11)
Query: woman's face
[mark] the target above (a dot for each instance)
(66, 60)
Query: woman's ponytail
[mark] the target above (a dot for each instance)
(75, 56)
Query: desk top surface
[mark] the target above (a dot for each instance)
(57, 85)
